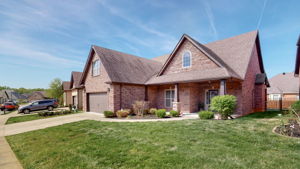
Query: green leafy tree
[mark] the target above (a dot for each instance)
(55, 89)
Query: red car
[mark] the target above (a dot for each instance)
(9, 106)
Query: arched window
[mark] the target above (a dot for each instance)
(186, 59)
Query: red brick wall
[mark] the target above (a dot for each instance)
(122, 96)
(199, 60)
(191, 94)
(95, 83)
(248, 87)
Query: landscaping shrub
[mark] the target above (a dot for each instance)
(206, 115)
(152, 111)
(296, 106)
(123, 113)
(41, 113)
(109, 114)
(161, 113)
(70, 107)
(174, 113)
(139, 107)
(224, 105)
(66, 112)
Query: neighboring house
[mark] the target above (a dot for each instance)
(183, 80)
(10, 95)
(297, 65)
(67, 96)
(284, 86)
(37, 95)
(76, 90)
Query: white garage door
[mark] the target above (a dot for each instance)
(98, 102)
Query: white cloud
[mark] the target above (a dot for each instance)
(211, 19)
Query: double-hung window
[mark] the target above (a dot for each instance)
(169, 97)
(186, 59)
(96, 68)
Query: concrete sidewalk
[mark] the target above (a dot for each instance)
(8, 160)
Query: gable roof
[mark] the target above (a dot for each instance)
(122, 67)
(232, 54)
(297, 65)
(75, 79)
(209, 53)
(279, 83)
(66, 85)
(11, 95)
(236, 51)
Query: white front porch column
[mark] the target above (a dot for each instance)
(222, 90)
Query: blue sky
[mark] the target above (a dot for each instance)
(42, 40)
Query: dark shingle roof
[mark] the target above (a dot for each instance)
(284, 83)
(66, 85)
(190, 76)
(75, 79)
(231, 54)
(126, 68)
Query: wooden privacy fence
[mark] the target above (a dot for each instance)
(280, 104)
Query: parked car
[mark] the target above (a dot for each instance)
(9, 106)
(48, 104)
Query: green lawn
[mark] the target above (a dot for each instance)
(242, 143)
(29, 118)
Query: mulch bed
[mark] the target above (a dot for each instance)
(139, 117)
(292, 129)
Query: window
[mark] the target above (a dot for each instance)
(186, 59)
(276, 96)
(169, 97)
(96, 68)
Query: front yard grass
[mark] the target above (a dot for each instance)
(246, 142)
(31, 117)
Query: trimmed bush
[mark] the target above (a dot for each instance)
(109, 114)
(206, 115)
(224, 105)
(123, 113)
(161, 113)
(152, 111)
(174, 113)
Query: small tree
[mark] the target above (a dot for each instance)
(139, 107)
(224, 105)
(55, 90)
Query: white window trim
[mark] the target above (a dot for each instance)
(165, 98)
(98, 68)
(278, 95)
(182, 58)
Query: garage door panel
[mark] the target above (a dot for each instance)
(98, 102)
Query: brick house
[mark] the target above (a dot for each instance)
(280, 89)
(184, 80)
(76, 90)
(297, 65)
(37, 95)
(67, 95)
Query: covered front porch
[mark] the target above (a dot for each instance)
(191, 97)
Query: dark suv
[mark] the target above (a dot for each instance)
(48, 104)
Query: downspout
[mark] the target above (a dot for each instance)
(121, 86)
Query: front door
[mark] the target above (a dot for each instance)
(208, 96)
